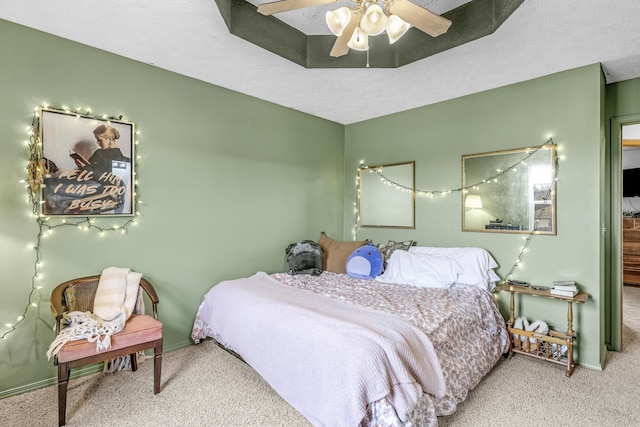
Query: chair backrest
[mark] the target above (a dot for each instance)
(78, 295)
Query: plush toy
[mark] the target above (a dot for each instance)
(519, 324)
(365, 262)
(522, 323)
(305, 257)
(539, 326)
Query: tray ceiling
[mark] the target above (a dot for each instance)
(191, 38)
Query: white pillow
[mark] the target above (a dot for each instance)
(421, 270)
(477, 264)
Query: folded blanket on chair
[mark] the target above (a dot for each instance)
(116, 295)
(113, 304)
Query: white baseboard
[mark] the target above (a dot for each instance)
(75, 373)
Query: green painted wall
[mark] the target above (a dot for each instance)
(567, 106)
(623, 98)
(226, 180)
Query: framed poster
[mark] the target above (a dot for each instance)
(89, 166)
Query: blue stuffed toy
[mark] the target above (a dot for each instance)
(365, 262)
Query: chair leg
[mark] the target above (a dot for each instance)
(63, 381)
(134, 361)
(157, 366)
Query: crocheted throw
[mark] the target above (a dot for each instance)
(114, 302)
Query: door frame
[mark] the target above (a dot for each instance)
(615, 276)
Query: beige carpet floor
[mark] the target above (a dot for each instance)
(526, 391)
(205, 386)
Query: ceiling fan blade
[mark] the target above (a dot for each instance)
(421, 18)
(340, 47)
(286, 5)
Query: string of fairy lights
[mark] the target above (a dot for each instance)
(37, 171)
(431, 194)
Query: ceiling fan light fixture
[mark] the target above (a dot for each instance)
(353, 26)
(359, 40)
(396, 28)
(337, 20)
(374, 20)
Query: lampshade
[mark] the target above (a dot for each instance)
(338, 19)
(359, 40)
(396, 28)
(473, 201)
(374, 20)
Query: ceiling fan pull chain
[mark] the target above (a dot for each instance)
(368, 58)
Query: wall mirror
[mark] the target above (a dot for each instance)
(386, 196)
(511, 191)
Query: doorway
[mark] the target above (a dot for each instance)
(630, 211)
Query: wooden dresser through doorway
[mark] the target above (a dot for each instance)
(631, 251)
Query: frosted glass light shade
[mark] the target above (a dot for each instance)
(359, 40)
(338, 19)
(396, 28)
(473, 201)
(374, 20)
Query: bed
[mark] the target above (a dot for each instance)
(399, 350)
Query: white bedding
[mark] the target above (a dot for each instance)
(422, 270)
(435, 267)
(327, 358)
(476, 263)
(462, 323)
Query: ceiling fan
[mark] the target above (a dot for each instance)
(354, 25)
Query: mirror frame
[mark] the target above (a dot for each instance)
(375, 196)
(523, 197)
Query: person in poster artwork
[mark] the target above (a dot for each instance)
(101, 182)
(101, 159)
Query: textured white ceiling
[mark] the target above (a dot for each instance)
(189, 37)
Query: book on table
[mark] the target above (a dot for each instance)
(517, 282)
(565, 285)
(563, 293)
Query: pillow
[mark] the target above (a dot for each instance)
(365, 262)
(336, 253)
(421, 270)
(477, 264)
(391, 246)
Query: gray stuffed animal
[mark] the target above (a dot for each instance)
(305, 257)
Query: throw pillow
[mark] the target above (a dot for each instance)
(391, 246)
(336, 253)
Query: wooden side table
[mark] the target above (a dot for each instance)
(539, 345)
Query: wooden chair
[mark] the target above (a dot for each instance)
(141, 332)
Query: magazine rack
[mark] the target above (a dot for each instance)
(538, 345)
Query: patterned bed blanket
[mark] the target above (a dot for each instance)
(463, 324)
